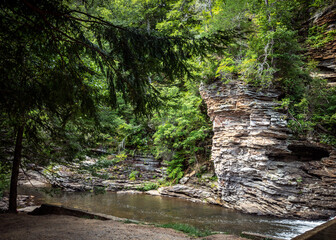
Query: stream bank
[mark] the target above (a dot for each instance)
(170, 210)
(134, 174)
(124, 197)
(26, 227)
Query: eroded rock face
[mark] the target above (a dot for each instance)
(325, 56)
(260, 170)
(191, 192)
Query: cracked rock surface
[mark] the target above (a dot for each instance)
(259, 168)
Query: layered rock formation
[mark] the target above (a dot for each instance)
(259, 168)
(92, 173)
(325, 56)
(192, 192)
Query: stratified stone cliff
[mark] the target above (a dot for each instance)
(260, 170)
(325, 56)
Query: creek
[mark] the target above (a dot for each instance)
(160, 210)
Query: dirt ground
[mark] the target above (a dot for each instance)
(26, 227)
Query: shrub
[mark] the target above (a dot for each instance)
(148, 186)
(133, 175)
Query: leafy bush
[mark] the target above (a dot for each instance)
(164, 182)
(120, 157)
(148, 186)
(319, 36)
(175, 168)
(271, 57)
(133, 175)
(183, 132)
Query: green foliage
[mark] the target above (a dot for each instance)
(190, 230)
(273, 57)
(328, 139)
(183, 18)
(270, 57)
(300, 123)
(183, 131)
(320, 3)
(322, 107)
(227, 68)
(105, 163)
(314, 114)
(230, 14)
(164, 182)
(128, 221)
(148, 186)
(98, 169)
(4, 179)
(6, 143)
(179, 133)
(120, 157)
(176, 168)
(99, 190)
(299, 180)
(64, 62)
(134, 175)
(318, 36)
(214, 178)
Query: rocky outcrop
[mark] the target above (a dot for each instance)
(33, 178)
(192, 193)
(203, 189)
(22, 201)
(116, 178)
(111, 174)
(260, 169)
(325, 55)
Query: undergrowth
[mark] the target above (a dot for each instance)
(190, 230)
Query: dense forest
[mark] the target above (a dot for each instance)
(123, 76)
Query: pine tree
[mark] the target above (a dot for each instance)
(52, 51)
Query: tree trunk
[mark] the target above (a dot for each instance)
(15, 170)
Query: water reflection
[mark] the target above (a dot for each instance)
(159, 209)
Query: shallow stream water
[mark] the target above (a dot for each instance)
(158, 209)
